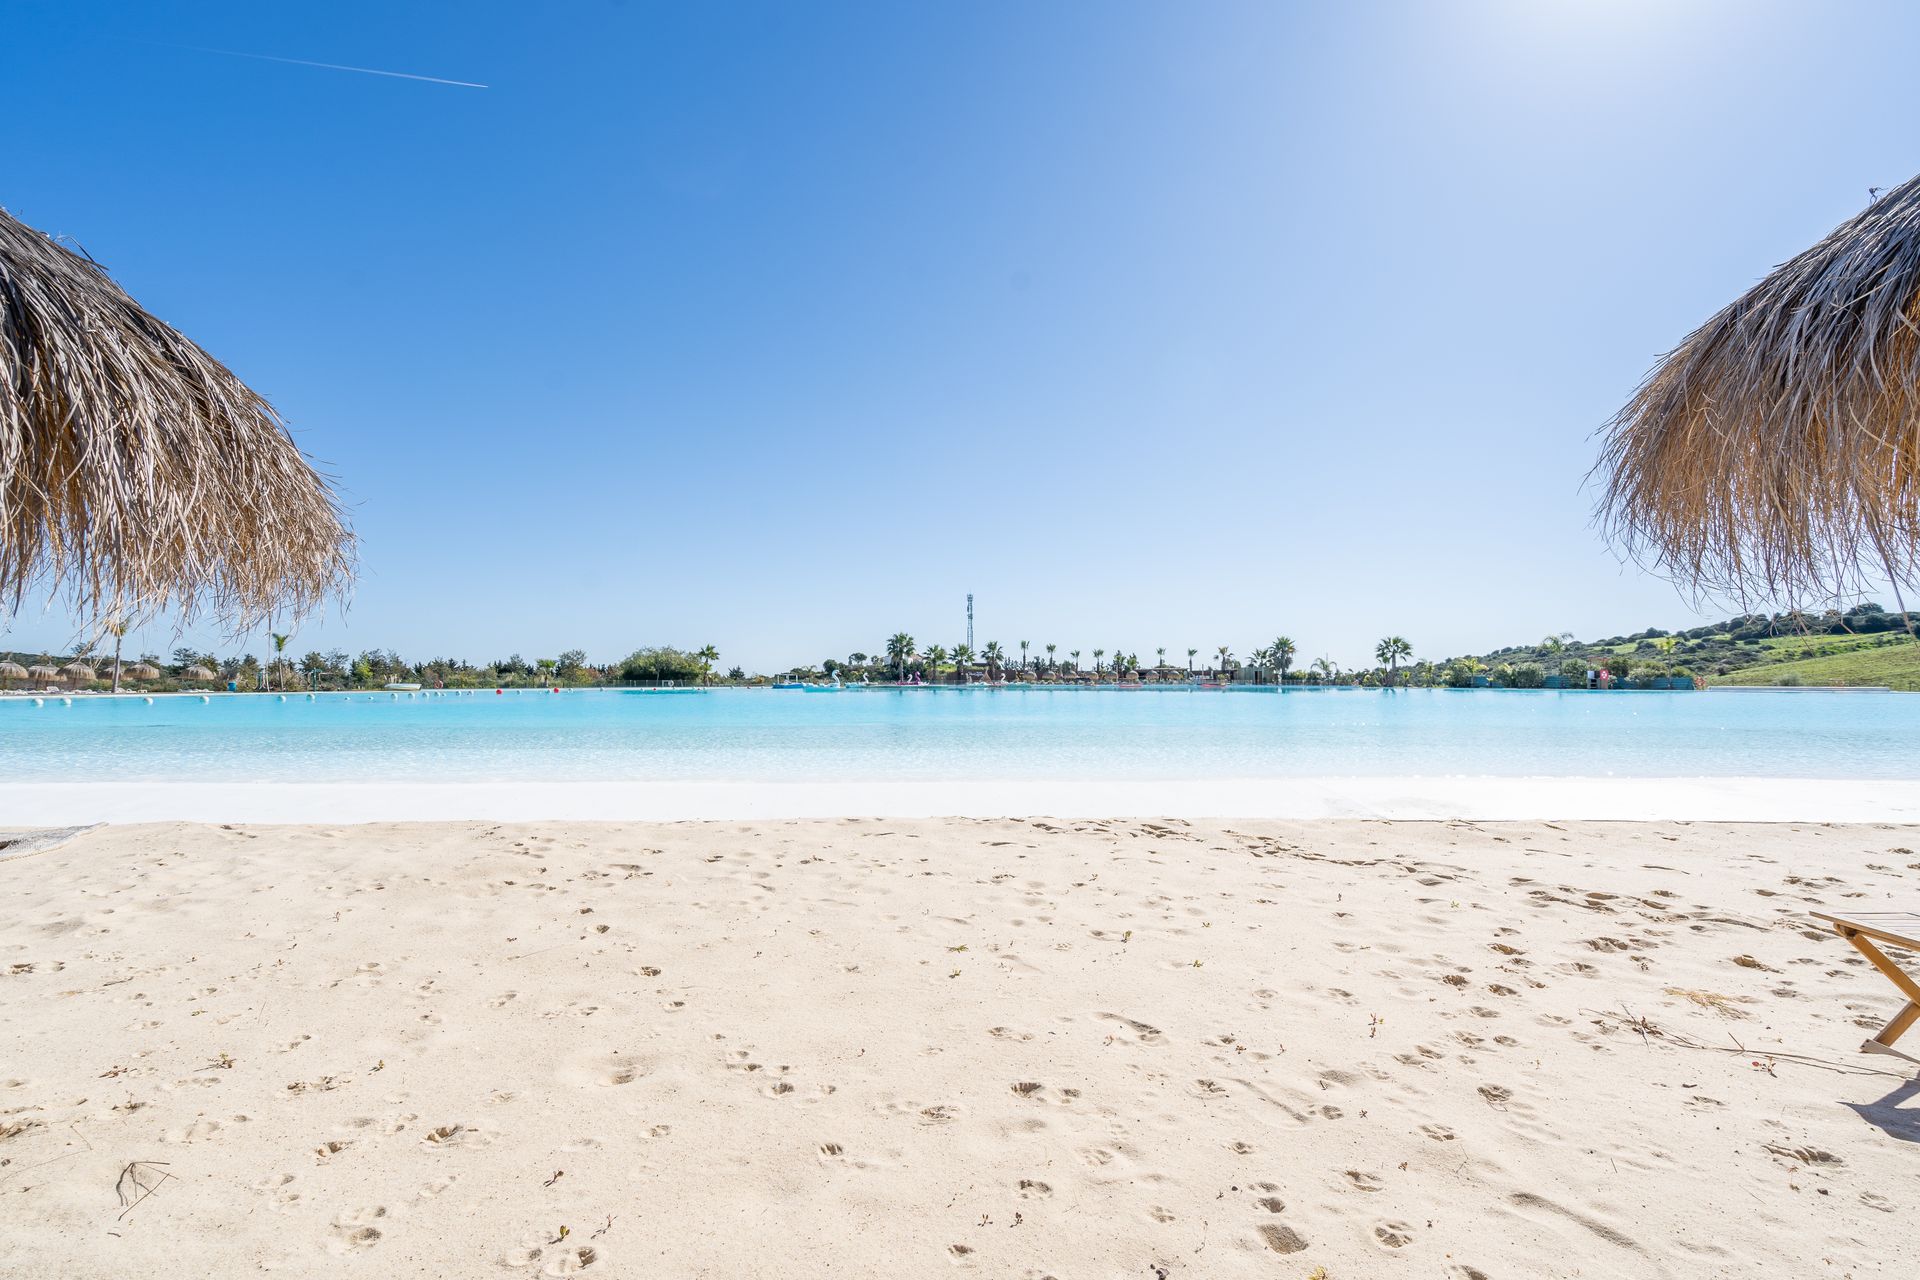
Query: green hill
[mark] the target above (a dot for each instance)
(1893, 661)
(1864, 645)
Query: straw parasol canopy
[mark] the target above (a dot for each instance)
(136, 471)
(1776, 452)
(41, 671)
(141, 671)
(78, 672)
(196, 673)
(11, 670)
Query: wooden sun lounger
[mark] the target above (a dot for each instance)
(1901, 929)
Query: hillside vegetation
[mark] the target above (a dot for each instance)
(1863, 646)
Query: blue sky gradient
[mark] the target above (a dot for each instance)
(783, 327)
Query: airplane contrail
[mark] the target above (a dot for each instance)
(329, 66)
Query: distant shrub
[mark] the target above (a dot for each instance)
(1459, 676)
(1526, 675)
(1789, 681)
(1621, 666)
(660, 664)
(1574, 669)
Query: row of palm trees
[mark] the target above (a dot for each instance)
(1278, 658)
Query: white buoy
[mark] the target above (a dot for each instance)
(205, 698)
(149, 701)
(309, 697)
(283, 697)
(39, 702)
(66, 702)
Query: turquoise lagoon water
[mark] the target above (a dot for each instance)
(925, 734)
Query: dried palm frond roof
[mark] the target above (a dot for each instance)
(137, 473)
(1776, 452)
(11, 670)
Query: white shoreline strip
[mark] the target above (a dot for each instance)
(1478, 798)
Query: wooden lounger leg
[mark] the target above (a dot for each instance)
(1897, 1026)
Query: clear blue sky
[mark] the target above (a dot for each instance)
(782, 327)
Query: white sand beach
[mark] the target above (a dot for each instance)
(1043, 1048)
(1485, 799)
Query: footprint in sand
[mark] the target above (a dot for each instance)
(607, 1070)
(355, 1229)
(1142, 1033)
(1393, 1235)
(1034, 1189)
(1281, 1238)
(572, 1261)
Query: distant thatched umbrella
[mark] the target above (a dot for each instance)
(11, 670)
(135, 469)
(78, 672)
(142, 671)
(197, 673)
(41, 671)
(1776, 452)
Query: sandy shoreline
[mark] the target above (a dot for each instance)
(1006, 1048)
(1486, 799)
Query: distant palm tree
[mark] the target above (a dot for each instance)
(994, 657)
(1190, 654)
(899, 653)
(936, 655)
(1050, 649)
(1075, 655)
(1023, 655)
(1326, 668)
(118, 630)
(708, 655)
(279, 653)
(1097, 655)
(1280, 653)
(1390, 651)
(1225, 653)
(547, 667)
(962, 655)
(1161, 655)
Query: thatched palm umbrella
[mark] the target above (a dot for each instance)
(42, 672)
(78, 672)
(143, 671)
(197, 673)
(1776, 452)
(10, 670)
(136, 471)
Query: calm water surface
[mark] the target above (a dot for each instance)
(744, 735)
